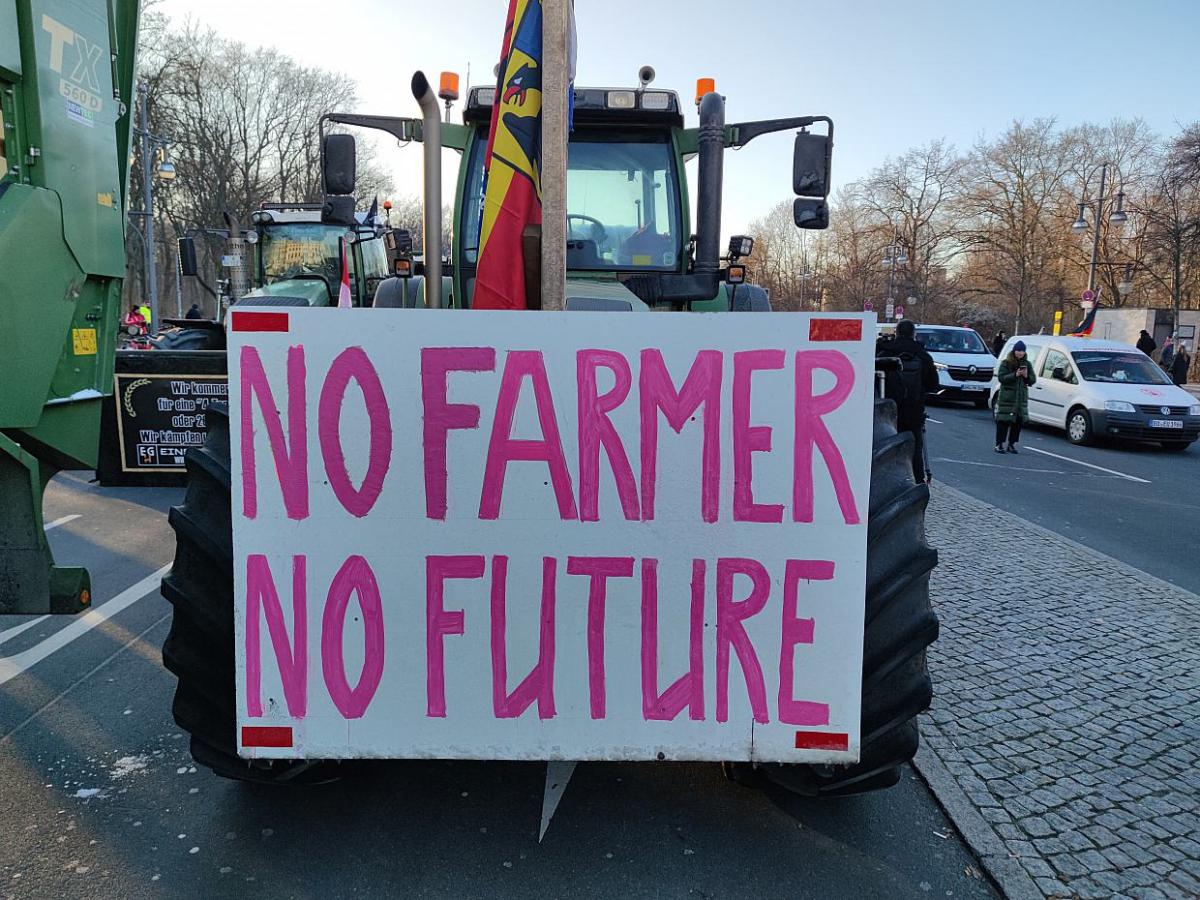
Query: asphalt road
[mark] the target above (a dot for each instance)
(1135, 502)
(99, 796)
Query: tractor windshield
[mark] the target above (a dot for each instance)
(622, 202)
(292, 250)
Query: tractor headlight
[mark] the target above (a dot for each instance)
(1118, 406)
(621, 100)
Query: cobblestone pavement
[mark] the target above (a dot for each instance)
(1067, 704)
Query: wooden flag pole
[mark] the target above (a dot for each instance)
(555, 23)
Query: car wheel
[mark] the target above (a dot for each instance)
(1079, 426)
(1176, 446)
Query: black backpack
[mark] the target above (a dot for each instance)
(906, 386)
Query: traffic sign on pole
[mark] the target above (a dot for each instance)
(899, 313)
(868, 306)
(889, 309)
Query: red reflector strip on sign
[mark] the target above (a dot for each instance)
(822, 740)
(259, 321)
(266, 736)
(835, 330)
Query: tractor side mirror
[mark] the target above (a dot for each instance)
(399, 240)
(187, 256)
(338, 210)
(811, 162)
(338, 161)
(810, 213)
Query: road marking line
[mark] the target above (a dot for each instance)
(934, 421)
(63, 521)
(6, 636)
(992, 465)
(1080, 462)
(82, 679)
(12, 666)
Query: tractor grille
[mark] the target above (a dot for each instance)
(961, 373)
(1152, 410)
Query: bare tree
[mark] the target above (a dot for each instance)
(912, 199)
(787, 260)
(243, 129)
(1012, 211)
(1169, 245)
(1132, 153)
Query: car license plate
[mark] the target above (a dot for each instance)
(974, 387)
(1166, 423)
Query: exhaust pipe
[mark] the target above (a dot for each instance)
(431, 140)
(711, 173)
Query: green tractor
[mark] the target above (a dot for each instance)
(629, 249)
(66, 89)
(294, 259)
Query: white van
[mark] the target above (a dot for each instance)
(964, 363)
(1094, 388)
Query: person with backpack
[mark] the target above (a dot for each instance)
(907, 387)
(1145, 343)
(1015, 375)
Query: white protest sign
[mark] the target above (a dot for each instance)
(550, 535)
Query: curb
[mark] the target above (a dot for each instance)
(1004, 869)
(1008, 874)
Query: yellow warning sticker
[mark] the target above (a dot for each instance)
(83, 341)
(640, 259)
(105, 200)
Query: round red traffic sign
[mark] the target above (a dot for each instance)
(868, 306)
(1089, 296)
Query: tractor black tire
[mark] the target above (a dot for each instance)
(900, 624)
(199, 648)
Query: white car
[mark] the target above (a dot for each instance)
(1094, 388)
(964, 363)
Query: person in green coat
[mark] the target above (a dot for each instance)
(1015, 375)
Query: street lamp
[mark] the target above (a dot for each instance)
(153, 147)
(166, 168)
(1080, 225)
(805, 278)
(894, 256)
(1125, 285)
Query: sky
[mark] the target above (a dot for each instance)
(891, 75)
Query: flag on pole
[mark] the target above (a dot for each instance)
(344, 301)
(1084, 328)
(513, 192)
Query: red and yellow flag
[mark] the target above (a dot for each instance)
(513, 192)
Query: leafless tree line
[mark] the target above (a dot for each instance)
(985, 238)
(242, 124)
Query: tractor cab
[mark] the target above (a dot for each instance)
(627, 194)
(629, 239)
(297, 255)
(629, 242)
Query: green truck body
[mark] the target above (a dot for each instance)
(66, 82)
